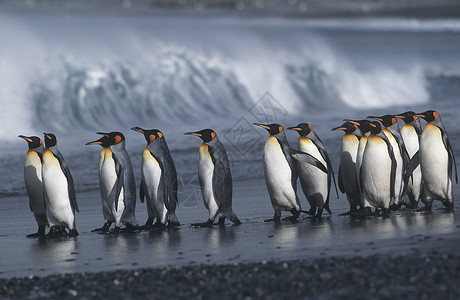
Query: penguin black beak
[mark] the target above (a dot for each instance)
(138, 129)
(375, 118)
(262, 125)
(98, 142)
(46, 135)
(295, 128)
(103, 133)
(25, 138)
(354, 122)
(420, 115)
(193, 133)
(338, 128)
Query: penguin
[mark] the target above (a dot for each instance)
(159, 180)
(34, 183)
(364, 127)
(60, 198)
(411, 132)
(215, 179)
(347, 179)
(378, 171)
(280, 169)
(392, 132)
(437, 162)
(118, 183)
(105, 143)
(316, 184)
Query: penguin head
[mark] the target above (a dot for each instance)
(114, 137)
(347, 127)
(408, 117)
(207, 135)
(50, 140)
(375, 127)
(273, 129)
(34, 142)
(103, 141)
(387, 120)
(303, 129)
(150, 134)
(429, 115)
(363, 125)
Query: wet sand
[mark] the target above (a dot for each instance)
(404, 233)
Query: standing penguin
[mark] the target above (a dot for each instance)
(105, 143)
(215, 178)
(60, 198)
(34, 183)
(378, 171)
(118, 183)
(316, 184)
(364, 127)
(393, 134)
(411, 132)
(281, 172)
(159, 180)
(348, 182)
(436, 161)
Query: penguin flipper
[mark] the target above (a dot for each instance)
(411, 166)
(166, 186)
(70, 185)
(119, 183)
(322, 150)
(307, 158)
(341, 187)
(222, 185)
(393, 167)
(142, 191)
(451, 156)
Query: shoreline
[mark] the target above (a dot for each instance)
(423, 276)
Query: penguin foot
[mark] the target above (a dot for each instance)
(293, 219)
(173, 224)
(310, 212)
(40, 233)
(104, 228)
(276, 218)
(450, 207)
(57, 232)
(348, 213)
(158, 227)
(73, 232)
(386, 212)
(208, 223)
(131, 228)
(395, 207)
(365, 212)
(221, 222)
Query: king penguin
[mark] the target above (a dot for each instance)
(411, 132)
(105, 143)
(392, 132)
(60, 198)
(378, 171)
(316, 184)
(436, 160)
(118, 183)
(364, 127)
(34, 183)
(215, 179)
(280, 169)
(348, 182)
(159, 180)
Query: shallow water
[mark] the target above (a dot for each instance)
(403, 233)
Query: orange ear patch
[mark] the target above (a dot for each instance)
(435, 115)
(117, 139)
(152, 137)
(309, 127)
(280, 128)
(213, 135)
(160, 135)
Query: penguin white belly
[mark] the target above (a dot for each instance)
(398, 188)
(34, 186)
(151, 174)
(105, 210)
(313, 180)
(348, 156)
(434, 162)
(359, 155)
(376, 172)
(411, 142)
(205, 173)
(278, 176)
(58, 209)
(109, 179)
